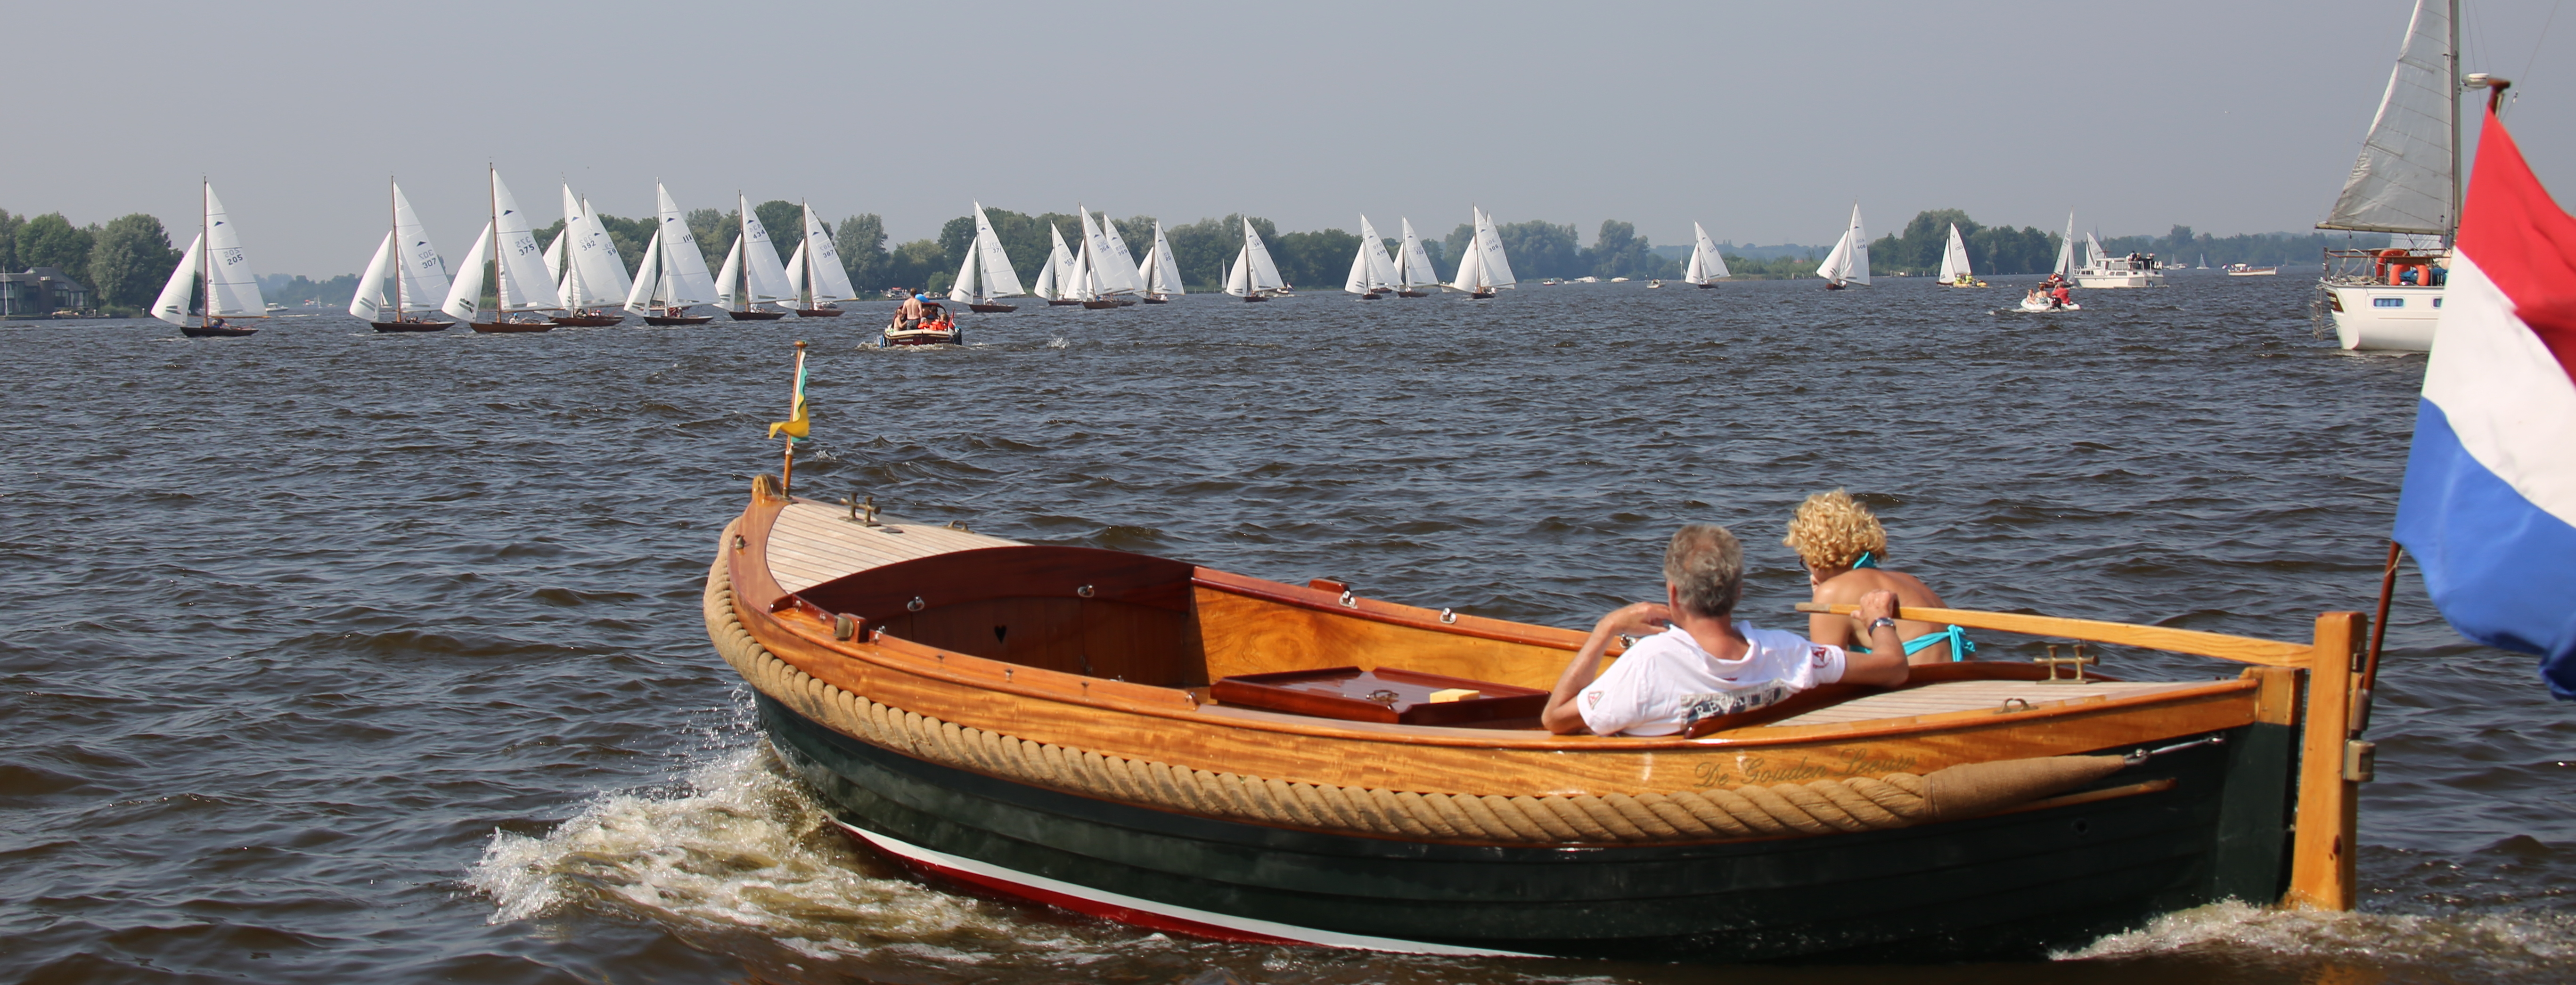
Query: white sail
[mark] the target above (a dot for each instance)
(1265, 274)
(1706, 264)
(648, 276)
(1416, 263)
(1471, 264)
(1496, 268)
(1165, 272)
(1859, 273)
(1235, 281)
(1084, 284)
(999, 280)
(829, 280)
(424, 273)
(172, 305)
(554, 255)
(684, 270)
(371, 302)
(2066, 249)
(729, 280)
(1837, 265)
(1053, 270)
(1121, 263)
(234, 292)
(465, 294)
(796, 275)
(1381, 268)
(2401, 182)
(525, 285)
(963, 291)
(1102, 263)
(1954, 257)
(762, 274)
(593, 274)
(1358, 280)
(2093, 255)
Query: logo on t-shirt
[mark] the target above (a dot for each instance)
(1592, 698)
(1714, 704)
(1817, 655)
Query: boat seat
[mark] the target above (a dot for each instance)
(1950, 696)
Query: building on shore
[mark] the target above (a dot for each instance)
(41, 292)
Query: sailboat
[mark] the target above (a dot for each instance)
(673, 274)
(1162, 274)
(2101, 269)
(2204, 262)
(589, 275)
(1253, 277)
(1120, 264)
(519, 281)
(1413, 266)
(1849, 261)
(1483, 270)
(2406, 182)
(1059, 282)
(752, 275)
(815, 277)
(215, 257)
(1094, 269)
(1372, 271)
(406, 269)
(1954, 262)
(1706, 265)
(986, 274)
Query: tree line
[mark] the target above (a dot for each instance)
(124, 262)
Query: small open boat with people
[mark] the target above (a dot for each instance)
(406, 269)
(1954, 262)
(932, 325)
(212, 272)
(672, 276)
(1202, 752)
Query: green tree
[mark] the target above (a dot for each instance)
(630, 236)
(860, 239)
(9, 241)
(715, 232)
(1620, 252)
(52, 241)
(785, 223)
(1204, 248)
(1315, 260)
(913, 264)
(129, 261)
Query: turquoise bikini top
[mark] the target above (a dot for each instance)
(1960, 645)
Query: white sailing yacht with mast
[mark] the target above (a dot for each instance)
(1849, 262)
(1162, 274)
(1706, 264)
(592, 277)
(1372, 271)
(2406, 182)
(216, 260)
(815, 277)
(517, 268)
(1483, 270)
(752, 275)
(1118, 264)
(1253, 276)
(1413, 266)
(673, 274)
(1060, 281)
(406, 270)
(986, 275)
(1954, 262)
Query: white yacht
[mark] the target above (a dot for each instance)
(2103, 270)
(2406, 182)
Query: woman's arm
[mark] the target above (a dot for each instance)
(1561, 716)
(1884, 665)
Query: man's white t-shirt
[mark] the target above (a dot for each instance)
(1666, 681)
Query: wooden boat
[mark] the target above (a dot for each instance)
(1372, 271)
(672, 277)
(513, 327)
(1413, 294)
(1848, 262)
(1105, 732)
(1413, 266)
(756, 315)
(1161, 272)
(213, 270)
(815, 278)
(1253, 276)
(589, 274)
(1101, 304)
(986, 275)
(1148, 299)
(1004, 309)
(1482, 267)
(1066, 303)
(406, 268)
(506, 252)
(1060, 279)
(831, 312)
(589, 321)
(752, 275)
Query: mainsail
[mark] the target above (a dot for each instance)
(1121, 262)
(1371, 269)
(231, 291)
(2066, 249)
(524, 285)
(1954, 257)
(1706, 264)
(1162, 273)
(2403, 181)
(1415, 264)
(424, 274)
(1849, 262)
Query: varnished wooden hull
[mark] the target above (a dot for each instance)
(992, 309)
(678, 319)
(411, 326)
(996, 653)
(1059, 303)
(1413, 294)
(204, 332)
(513, 327)
(1103, 304)
(757, 315)
(818, 312)
(589, 321)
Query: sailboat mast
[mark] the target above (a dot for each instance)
(2451, 112)
(205, 232)
(500, 296)
(402, 254)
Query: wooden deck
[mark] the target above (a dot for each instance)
(1933, 699)
(814, 543)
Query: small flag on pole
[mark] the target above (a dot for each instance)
(798, 422)
(2489, 507)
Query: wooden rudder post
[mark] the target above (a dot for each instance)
(2321, 853)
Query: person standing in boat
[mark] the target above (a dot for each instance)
(1696, 661)
(909, 316)
(1842, 543)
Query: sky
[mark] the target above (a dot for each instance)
(1764, 122)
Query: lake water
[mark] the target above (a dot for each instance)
(335, 657)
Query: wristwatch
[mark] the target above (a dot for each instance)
(1882, 621)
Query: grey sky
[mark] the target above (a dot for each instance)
(1763, 121)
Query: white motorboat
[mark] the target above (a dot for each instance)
(2041, 305)
(2407, 182)
(2101, 269)
(2248, 270)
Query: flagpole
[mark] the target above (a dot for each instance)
(787, 465)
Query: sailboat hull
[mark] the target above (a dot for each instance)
(589, 321)
(1255, 297)
(1004, 309)
(2384, 317)
(678, 319)
(1705, 287)
(1481, 295)
(1052, 302)
(204, 332)
(818, 312)
(513, 327)
(1157, 300)
(757, 315)
(411, 326)
(1413, 294)
(1101, 304)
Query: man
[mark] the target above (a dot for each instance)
(909, 316)
(1696, 662)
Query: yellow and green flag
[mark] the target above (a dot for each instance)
(798, 422)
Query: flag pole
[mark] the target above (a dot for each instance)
(787, 463)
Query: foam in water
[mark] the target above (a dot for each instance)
(2490, 944)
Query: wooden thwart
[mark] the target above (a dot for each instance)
(2242, 649)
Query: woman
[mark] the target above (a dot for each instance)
(1842, 544)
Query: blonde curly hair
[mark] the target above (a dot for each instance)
(1832, 530)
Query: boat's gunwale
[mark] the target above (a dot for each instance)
(813, 633)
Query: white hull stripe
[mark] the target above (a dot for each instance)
(1103, 903)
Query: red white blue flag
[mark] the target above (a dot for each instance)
(2489, 508)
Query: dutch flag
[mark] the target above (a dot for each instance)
(2489, 507)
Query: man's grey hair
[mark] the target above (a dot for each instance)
(1706, 563)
